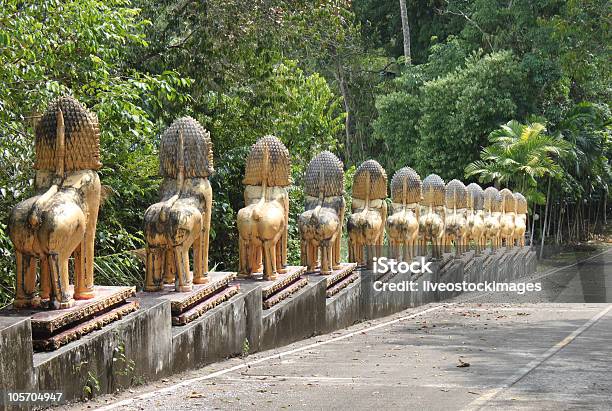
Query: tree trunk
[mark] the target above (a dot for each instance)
(596, 222)
(405, 31)
(340, 78)
(569, 228)
(535, 206)
(551, 211)
(605, 210)
(545, 218)
(559, 226)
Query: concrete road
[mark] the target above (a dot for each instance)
(548, 350)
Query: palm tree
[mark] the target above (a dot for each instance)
(587, 165)
(519, 156)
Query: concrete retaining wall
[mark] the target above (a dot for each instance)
(144, 346)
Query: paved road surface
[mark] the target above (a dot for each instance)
(550, 350)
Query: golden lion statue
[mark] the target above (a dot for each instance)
(475, 216)
(403, 224)
(60, 220)
(321, 224)
(262, 223)
(455, 223)
(182, 218)
(366, 224)
(520, 221)
(508, 214)
(432, 220)
(492, 207)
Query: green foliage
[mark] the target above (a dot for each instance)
(396, 125)
(518, 156)
(382, 27)
(400, 103)
(587, 169)
(122, 365)
(441, 122)
(246, 348)
(124, 268)
(299, 109)
(459, 110)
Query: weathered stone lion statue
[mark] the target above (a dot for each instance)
(182, 218)
(262, 223)
(520, 222)
(508, 214)
(431, 222)
(366, 224)
(321, 224)
(492, 207)
(475, 216)
(60, 220)
(403, 224)
(455, 224)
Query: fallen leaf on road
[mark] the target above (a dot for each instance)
(196, 395)
(463, 363)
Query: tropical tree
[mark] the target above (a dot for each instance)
(584, 190)
(519, 156)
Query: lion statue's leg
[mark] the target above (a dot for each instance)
(25, 288)
(156, 261)
(183, 274)
(279, 258)
(58, 269)
(269, 259)
(45, 279)
(169, 270)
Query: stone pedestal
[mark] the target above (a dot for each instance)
(53, 328)
(187, 306)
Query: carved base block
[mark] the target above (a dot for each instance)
(53, 328)
(210, 302)
(286, 284)
(342, 284)
(54, 342)
(188, 306)
(336, 281)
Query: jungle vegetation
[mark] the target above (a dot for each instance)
(508, 92)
